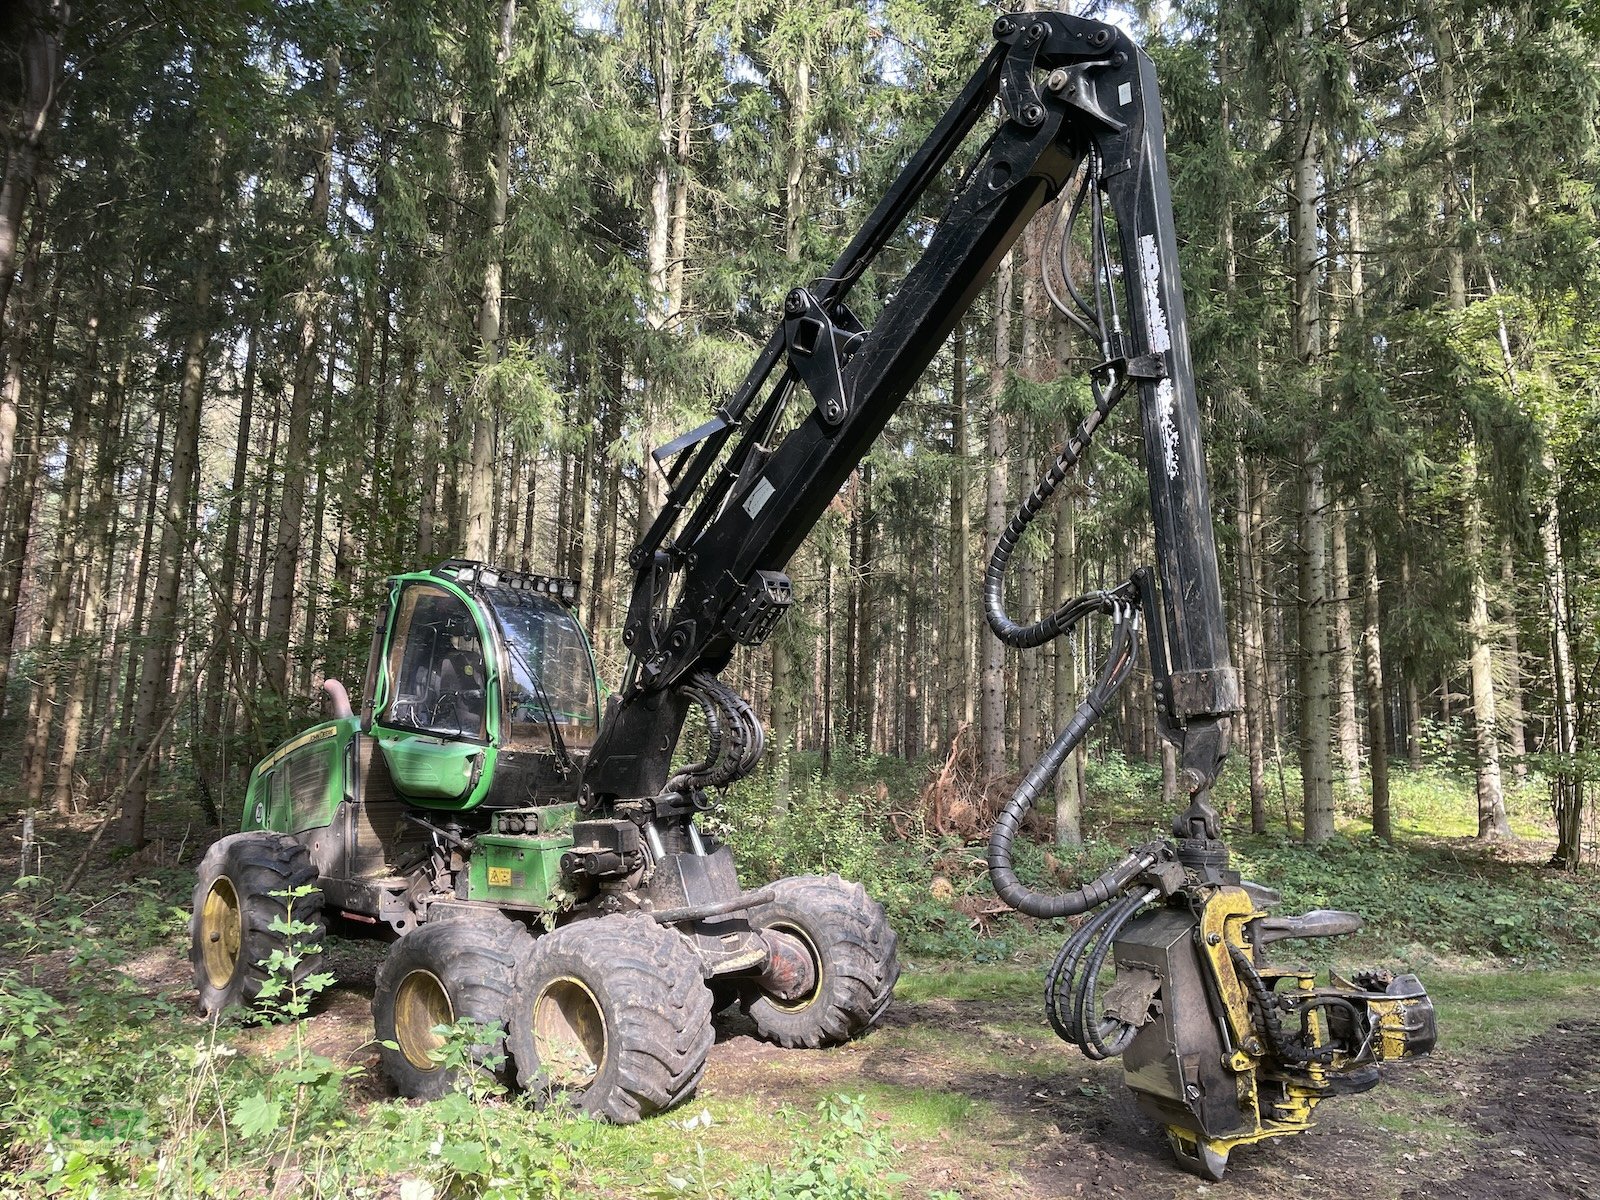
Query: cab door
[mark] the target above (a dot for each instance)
(433, 714)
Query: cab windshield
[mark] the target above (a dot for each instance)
(549, 672)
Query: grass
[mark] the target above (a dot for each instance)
(921, 982)
(1481, 1012)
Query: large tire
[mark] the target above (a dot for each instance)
(852, 950)
(612, 1011)
(452, 970)
(231, 926)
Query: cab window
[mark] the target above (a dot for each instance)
(549, 672)
(435, 666)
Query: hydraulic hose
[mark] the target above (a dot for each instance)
(1060, 621)
(1007, 886)
(1065, 968)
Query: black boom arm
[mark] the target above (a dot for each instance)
(1080, 101)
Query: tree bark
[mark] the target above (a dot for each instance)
(1068, 794)
(1344, 655)
(1567, 786)
(1516, 725)
(38, 51)
(961, 565)
(1492, 822)
(16, 491)
(1256, 702)
(288, 544)
(162, 627)
(476, 515)
(992, 743)
(1377, 707)
(1316, 681)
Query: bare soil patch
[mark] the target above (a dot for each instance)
(1536, 1108)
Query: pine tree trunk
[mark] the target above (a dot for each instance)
(1344, 651)
(1068, 793)
(1030, 712)
(961, 564)
(162, 626)
(1316, 675)
(261, 537)
(1256, 702)
(288, 545)
(1492, 822)
(1413, 694)
(795, 196)
(133, 582)
(311, 639)
(868, 644)
(476, 516)
(14, 355)
(992, 744)
(38, 53)
(1377, 706)
(1567, 785)
(19, 466)
(1516, 730)
(229, 617)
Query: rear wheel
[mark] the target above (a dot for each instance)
(852, 951)
(453, 970)
(231, 931)
(612, 1011)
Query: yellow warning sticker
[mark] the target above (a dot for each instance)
(499, 876)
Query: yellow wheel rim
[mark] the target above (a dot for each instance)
(221, 931)
(804, 939)
(569, 1033)
(420, 1004)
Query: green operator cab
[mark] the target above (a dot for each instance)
(481, 704)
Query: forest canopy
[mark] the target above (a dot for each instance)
(294, 296)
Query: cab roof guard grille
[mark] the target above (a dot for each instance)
(470, 573)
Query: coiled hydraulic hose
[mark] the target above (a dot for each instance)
(1122, 606)
(1010, 889)
(1053, 625)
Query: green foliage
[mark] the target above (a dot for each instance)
(841, 1155)
(1430, 902)
(1119, 785)
(282, 997)
(828, 824)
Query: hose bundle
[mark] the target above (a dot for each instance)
(1071, 986)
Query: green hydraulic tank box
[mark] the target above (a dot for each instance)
(506, 869)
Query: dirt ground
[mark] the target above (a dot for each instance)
(1042, 1122)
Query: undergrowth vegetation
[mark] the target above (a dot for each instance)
(111, 1086)
(1430, 896)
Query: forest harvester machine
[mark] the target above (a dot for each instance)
(541, 868)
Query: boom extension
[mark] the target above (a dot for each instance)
(1211, 1047)
(1071, 87)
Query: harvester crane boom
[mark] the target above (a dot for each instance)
(1072, 89)
(1210, 1048)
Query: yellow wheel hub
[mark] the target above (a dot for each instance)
(804, 938)
(221, 932)
(569, 1033)
(420, 1004)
